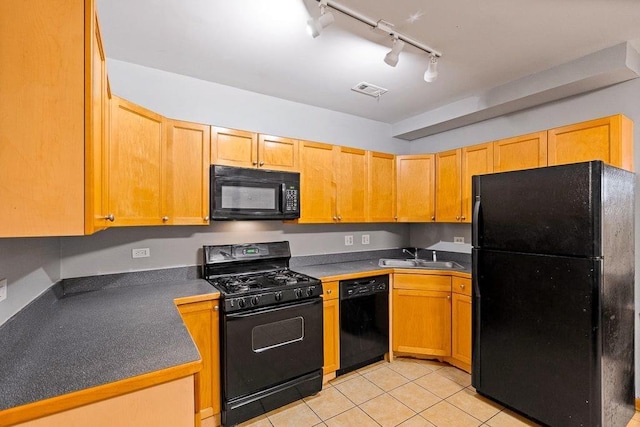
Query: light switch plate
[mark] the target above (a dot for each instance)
(3, 289)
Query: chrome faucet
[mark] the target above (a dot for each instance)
(414, 255)
(435, 258)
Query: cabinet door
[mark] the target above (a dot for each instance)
(42, 117)
(96, 190)
(448, 186)
(317, 186)
(351, 186)
(415, 188)
(461, 328)
(331, 327)
(278, 153)
(422, 322)
(231, 147)
(381, 187)
(135, 167)
(201, 319)
(520, 152)
(609, 139)
(186, 167)
(476, 160)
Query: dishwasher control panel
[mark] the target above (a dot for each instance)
(354, 288)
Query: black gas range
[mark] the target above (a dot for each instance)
(270, 328)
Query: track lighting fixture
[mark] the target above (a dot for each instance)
(432, 70)
(316, 25)
(392, 57)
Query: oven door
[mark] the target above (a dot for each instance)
(266, 347)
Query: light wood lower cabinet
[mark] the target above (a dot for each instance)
(202, 320)
(461, 323)
(422, 314)
(432, 317)
(331, 327)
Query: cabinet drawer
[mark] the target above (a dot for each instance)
(330, 290)
(460, 285)
(425, 282)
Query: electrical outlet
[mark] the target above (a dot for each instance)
(458, 240)
(3, 289)
(140, 253)
(348, 240)
(365, 239)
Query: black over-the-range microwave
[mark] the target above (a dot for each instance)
(253, 194)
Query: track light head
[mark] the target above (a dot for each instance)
(432, 70)
(316, 25)
(392, 57)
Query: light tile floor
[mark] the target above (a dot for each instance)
(405, 393)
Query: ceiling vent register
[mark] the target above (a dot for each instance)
(369, 89)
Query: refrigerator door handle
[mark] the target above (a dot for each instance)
(475, 222)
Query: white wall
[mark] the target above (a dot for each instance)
(186, 98)
(110, 251)
(30, 266)
(621, 98)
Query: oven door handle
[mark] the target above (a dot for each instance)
(272, 308)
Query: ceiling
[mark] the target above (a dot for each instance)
(262, 46)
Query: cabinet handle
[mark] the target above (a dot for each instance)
(335, 218)
(329, 291)
(463, 217)
(216, 308)
(206, 218)
(110, 217)
(395, 217)
(448, 296)
(339, 218)
(457, 218)
(261, 163)
(255, 163)
(433, 218)
(461, 286)
(165, 218)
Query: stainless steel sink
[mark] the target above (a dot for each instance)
(419, 263)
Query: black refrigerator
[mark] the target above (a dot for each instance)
(553, 301)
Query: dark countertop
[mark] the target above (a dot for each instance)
(61, 344)
(363, 266)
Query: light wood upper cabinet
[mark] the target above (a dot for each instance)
(382, 187)
(351, 184)
(136, 149)
(46, 114)
(96, 161)
(186, 170)
(476, 160)
(520, 152)
(449, 186)
(231, 147)
(201, 319)
(278, 153)
(609, 139)
(331, 322)
(317, 184)
(415, 190)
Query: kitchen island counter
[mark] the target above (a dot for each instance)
(66, 343)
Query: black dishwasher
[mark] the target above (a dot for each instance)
(364, 321)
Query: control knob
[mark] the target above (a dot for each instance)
(254, 300)
(241, 303)
(278, 296)
(298, 293)
(310, 291)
